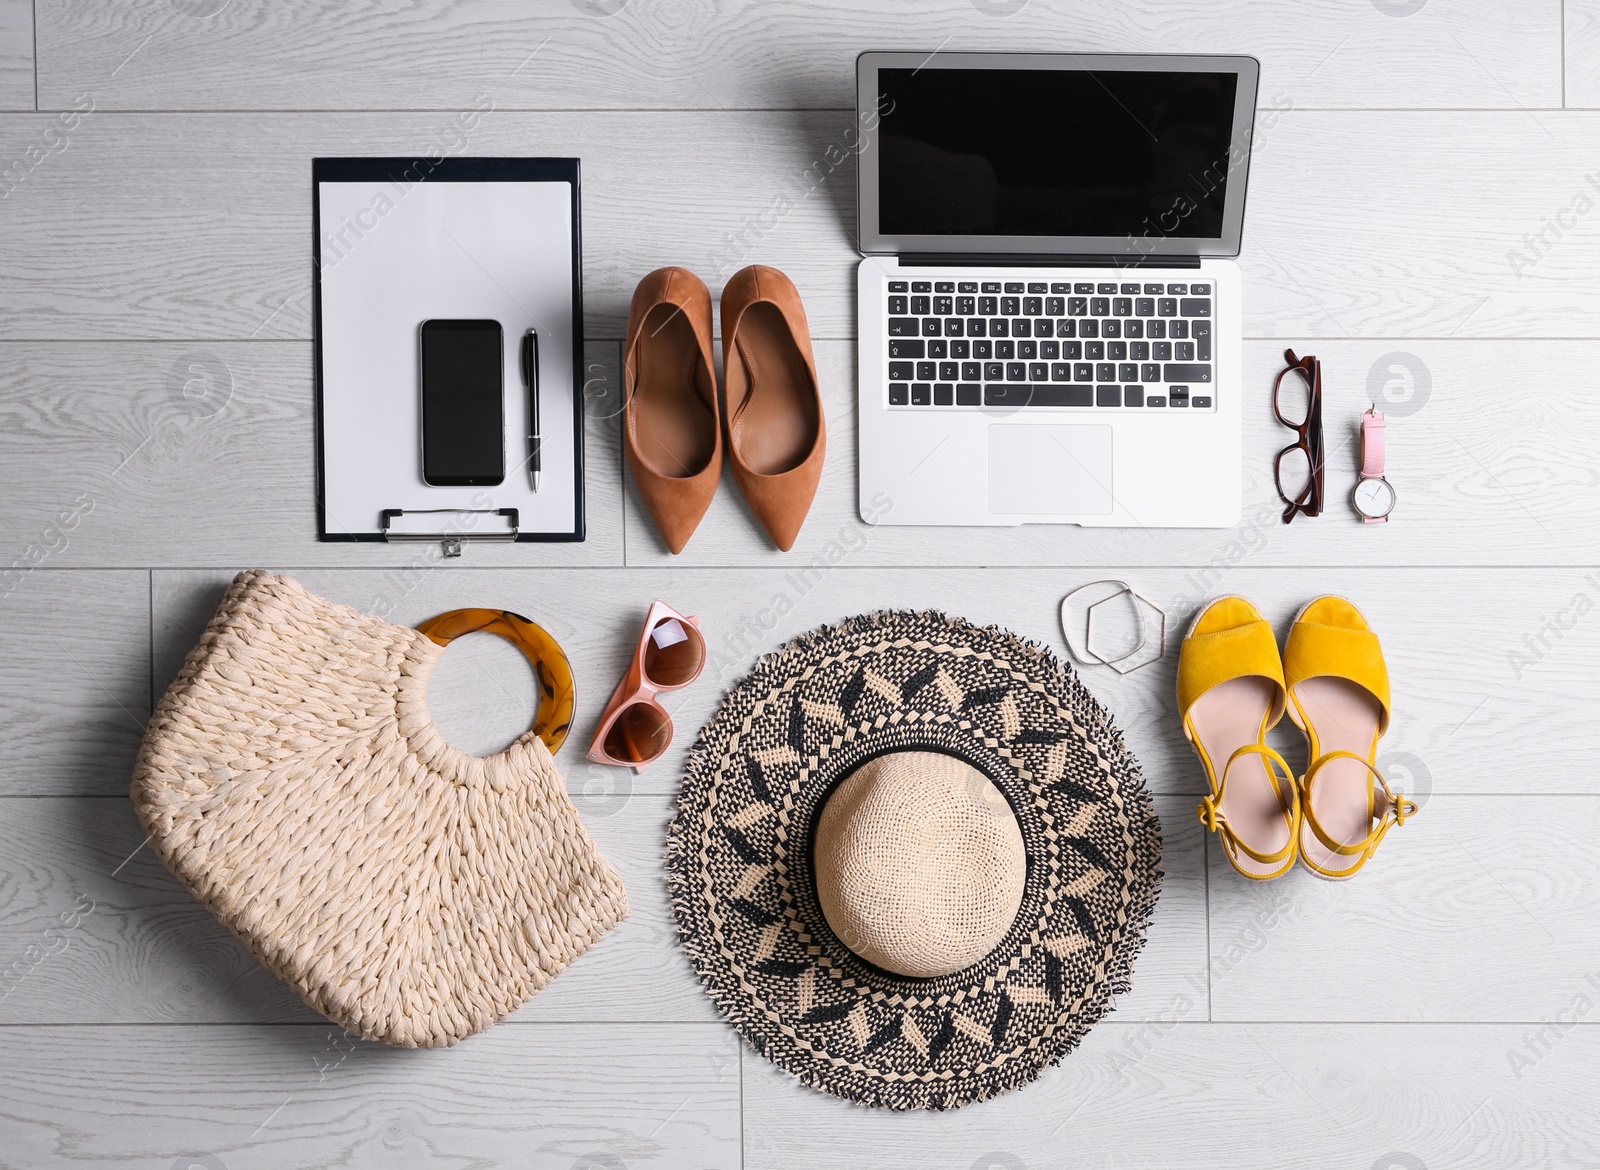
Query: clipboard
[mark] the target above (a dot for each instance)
(397, 241)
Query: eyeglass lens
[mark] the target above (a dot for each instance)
(673, 653)
(639, 733)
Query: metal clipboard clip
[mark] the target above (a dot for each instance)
(449, 542)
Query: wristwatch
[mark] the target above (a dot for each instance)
(1373, 497)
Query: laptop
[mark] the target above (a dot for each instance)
(1049, 320)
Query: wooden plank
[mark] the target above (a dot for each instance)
(1508, 649)
(226, 477)
(1486, 928)
(208, 54)
(158, 226)
(75, 676)
(1581, 63)
(1205, 1095)
(16, 55)
(1476, 486)
(545, 1096)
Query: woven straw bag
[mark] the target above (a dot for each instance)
(292, 779)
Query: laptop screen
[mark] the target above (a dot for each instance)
(1054, 159)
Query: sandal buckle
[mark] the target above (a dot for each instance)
(1207, 813)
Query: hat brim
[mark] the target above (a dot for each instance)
(739, 859)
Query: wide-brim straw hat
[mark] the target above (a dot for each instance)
(912, 860)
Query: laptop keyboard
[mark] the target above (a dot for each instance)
(1083, 344)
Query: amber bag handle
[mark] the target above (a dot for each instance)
(557, 695)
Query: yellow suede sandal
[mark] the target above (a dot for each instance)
(1230, 691)
(1339, 696)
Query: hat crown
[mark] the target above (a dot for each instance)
(919, 863)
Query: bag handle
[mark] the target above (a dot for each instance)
(550, 666)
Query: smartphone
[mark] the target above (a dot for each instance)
(463, 404)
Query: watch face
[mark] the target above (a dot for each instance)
(1374, 498)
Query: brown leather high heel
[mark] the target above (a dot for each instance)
(671, 429)
(776, 432)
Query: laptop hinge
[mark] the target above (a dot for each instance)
(1044, 260)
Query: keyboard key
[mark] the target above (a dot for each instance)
(1165, 307)
(1083, 287)
(1094, 350)
(969, 394)
(900, 371)
(1162, 352)
(1013, 286)
(1154, 290)
(1133, 327)
(949, 371)
(1036, 287)
(936, 349)
(944, 394)
(966, 306)
(1033, 306)
(1133, 396)
(1177, 329)
(1060, 372)
(1150, 372)
(1044, 327)
(1038, 371)
(994, 371)
(897, 286)
(944, 306)
(900, 347)
(976, 327)
(1127, 371)
(899, 394)
(1108, 395)
(925, 372)
(944, 286)
(999, 327)
(1105, 372)
(1022, 327)
(1116, 350)
(1027, 349)
(1055, 306)
(1178, 392)
(1155, 329)
(1089, 327)
(1016, 372)
(1177, 290)
(1183, 351)
(1049, 350)
(1200, 290)
(1122, 307)
(1044, 394)
(1202, 340)
(1145, 306)
(971, 371)
(1072, 350)
(1065, 328)
(902, 326)
(1061, 288)
(967, 286)
(1010, 306)
(1186, 373)
(988, 306)
(921, 394)
(930, 327)
(1082, 372)
(1107, 289)
(1139, 350)
(981, 349)
(921, 306)
(1005, 349)
(1111, 327)
(953, 327)
(1156, 400)
(991, 286)
(1195, 306)
(921, 286)
(1201, 402)
(1100, 306)
(897, 306)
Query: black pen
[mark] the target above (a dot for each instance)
(530, 378)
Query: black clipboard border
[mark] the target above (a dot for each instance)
(451, 170)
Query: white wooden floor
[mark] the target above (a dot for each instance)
(1421, 213)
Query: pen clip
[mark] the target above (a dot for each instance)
(527, 362)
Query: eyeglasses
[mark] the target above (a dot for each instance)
(635, 729)
(1297, 401)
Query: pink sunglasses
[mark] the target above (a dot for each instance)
(635, 729)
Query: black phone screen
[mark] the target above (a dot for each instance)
(463, 403)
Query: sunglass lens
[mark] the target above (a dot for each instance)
(673, 653)
(1294, 398)
(639, 734)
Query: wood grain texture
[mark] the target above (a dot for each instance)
(1197, 1095)
(16, 55)
(1582, 58)
(1508, 485)
(227, 476)
(80, 943)
(550, 1097)
(1490, 925)
(75, 673)
(1468, 656)
(1361, 224)
(662, 53)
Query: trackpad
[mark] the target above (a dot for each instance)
(1039, 470)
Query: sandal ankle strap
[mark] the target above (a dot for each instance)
(1396, 811)
(1209, 810)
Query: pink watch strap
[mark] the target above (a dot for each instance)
(1372, 424)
